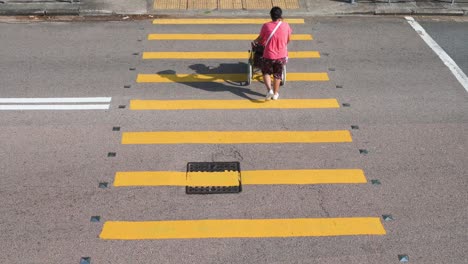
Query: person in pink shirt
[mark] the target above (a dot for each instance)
(274, 36)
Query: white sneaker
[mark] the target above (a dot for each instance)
(276, 96)
(269, 95)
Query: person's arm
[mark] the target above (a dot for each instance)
(258, 39)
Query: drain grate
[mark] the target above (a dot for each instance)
(212, 189)
(213, 166)
(213, 177)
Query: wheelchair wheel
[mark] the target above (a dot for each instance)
(283, 76)
(249, 73)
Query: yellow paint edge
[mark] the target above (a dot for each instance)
(236, 137)
(258, 177)
(218, 37)
(221, 55)
(232, 104)
(184, 78)
(242, 228)
(221, 21)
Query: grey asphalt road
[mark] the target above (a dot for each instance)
(451, 36)
(411, 111)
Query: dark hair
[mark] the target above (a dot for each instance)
(276, 13)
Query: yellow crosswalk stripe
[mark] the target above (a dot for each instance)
(232, 104)
(242, 228)
(234, 77)
(330, 176)
(215, 178)
(200, 55)
(220, 21)
(256, 177)
(150, 178)
(250, 37)
(236, 137)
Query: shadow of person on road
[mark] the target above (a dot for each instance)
(224, 82)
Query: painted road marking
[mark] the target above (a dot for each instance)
(57, 100)
(55, 107)
(235, 77)
(331, 176)
(221, 55)
(236, 137)
(214, 178)
(221, 21)
(242, 228)
(257, 177)
(446, 59)
(218, 37)
(38, 103)
(232, 104)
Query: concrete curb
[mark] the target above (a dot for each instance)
(98, 13)
(439, 12)
(420, 12)
(54, 9)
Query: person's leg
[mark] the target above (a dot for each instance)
(277, 73)
(276, 85)
(267, 81)
(266, 71)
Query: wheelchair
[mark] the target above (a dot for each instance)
(254, 63)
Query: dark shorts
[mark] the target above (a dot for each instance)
(274, 67)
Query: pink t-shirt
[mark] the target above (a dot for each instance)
(277, 48)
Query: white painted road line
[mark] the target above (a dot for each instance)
(56, 100)
(56, 107)
(459, 74)
(37, 103)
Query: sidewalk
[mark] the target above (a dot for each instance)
(239, 8)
